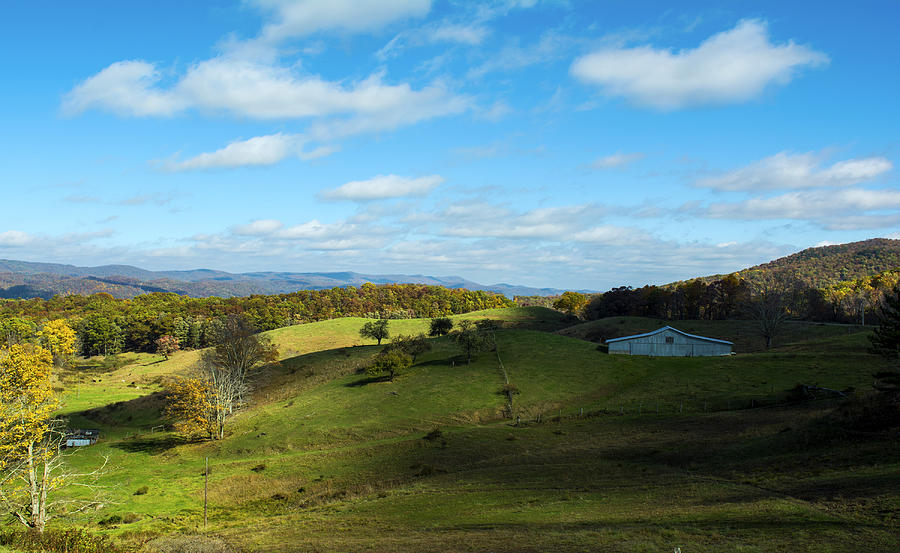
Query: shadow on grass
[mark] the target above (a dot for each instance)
(149, 445)
(366, 381)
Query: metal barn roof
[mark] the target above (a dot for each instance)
(623, 338)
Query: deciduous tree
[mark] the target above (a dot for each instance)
(769, 312)
(167, 345)
(376, 330)
(191, 406)
(31, 467)
(471, 339)
(227, 367)
(389, 362)
(440, 326)
(571, 302)
(414, 346)
(58, 338)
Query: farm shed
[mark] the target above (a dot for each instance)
(669, 342)
(78, 438)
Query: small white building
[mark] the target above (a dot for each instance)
(80, 438)
(669, 342)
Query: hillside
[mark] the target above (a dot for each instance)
(743, 334)
(24, 279)
(827, 265)
(613, 453)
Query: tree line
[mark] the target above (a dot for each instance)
(858, 301)
(106, 325)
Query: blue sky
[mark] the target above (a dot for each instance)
(548, 143)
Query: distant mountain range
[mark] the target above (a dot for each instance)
(814, 267)
(25, 279)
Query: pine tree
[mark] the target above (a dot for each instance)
(886, 338)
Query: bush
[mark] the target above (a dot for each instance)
(259, 468)
(130, 517)
(111, 520)
(142, 490)
(873, 412)
(73, 540)
(435, 434)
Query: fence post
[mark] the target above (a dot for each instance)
(205, 492)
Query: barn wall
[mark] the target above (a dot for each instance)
(681, 346)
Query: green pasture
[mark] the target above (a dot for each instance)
(744, 334)
(327, 458)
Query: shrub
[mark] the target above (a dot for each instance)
(73, 540)
(873, 412)
(142, 490)
(130, 517)
(111, 520)
(259, 468)
(435, 434)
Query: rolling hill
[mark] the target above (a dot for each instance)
(611, 453)
(827, 265)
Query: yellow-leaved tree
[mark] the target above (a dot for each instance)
(192, 407)
(27, 450)
(58, 338)
(31, 438)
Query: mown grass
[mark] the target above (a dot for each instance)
(327, 459)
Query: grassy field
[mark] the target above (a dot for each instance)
(329, 459)
(744, 334)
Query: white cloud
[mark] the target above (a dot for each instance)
(258, 227)
(14, 238)
(860, 222)
(302, 17)
(124, 88)
(794, 171)
(616, 160)
(472, 35)
(613, 235)
(731, 66)
(833, 209)
(383, 187)
(259, 150)
(309, 229)
(257, 90)
(513, 56)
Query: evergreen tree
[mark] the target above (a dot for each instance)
(886, 338)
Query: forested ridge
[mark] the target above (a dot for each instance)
(826, 265)
(843, 283)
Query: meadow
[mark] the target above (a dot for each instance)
(600, 453)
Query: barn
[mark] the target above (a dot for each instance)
(669, 342)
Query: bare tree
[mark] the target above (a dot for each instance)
(227, 366)
(767, 308)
